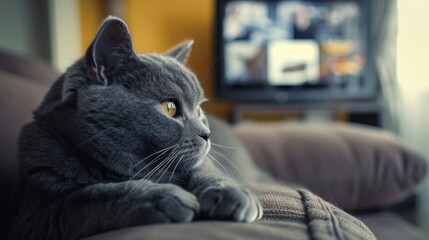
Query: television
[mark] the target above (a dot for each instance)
(282, 51)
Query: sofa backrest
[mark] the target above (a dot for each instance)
(23, 83)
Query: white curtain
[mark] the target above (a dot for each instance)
(413, 85)
(383, 40)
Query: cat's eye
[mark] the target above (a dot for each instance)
(198, 111)
(169, 108)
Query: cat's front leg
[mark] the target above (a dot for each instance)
(221, 198)
(104, 207)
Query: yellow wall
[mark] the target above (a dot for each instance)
(92, 14)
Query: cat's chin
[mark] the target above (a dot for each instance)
(208, 146)
(203, 156)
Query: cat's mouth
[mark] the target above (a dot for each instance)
(194, 152)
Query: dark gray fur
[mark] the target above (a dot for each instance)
(81, 156)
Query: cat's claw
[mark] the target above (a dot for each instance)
(233, 203)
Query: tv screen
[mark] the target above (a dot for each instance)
(293, 51)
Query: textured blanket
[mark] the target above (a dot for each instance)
(320, 219)
(288, 214)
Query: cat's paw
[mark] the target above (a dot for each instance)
(170, 203)
(231, 203)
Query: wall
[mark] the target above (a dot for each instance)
(92, 14)
(24, 27)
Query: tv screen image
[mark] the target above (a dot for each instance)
(306, 50)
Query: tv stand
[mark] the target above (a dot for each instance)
(365, 112)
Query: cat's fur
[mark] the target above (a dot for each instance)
(86, 158)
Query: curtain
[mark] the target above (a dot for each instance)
(413, 85)
(400, 35)
(383, 38)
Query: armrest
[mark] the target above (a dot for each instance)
(354, 166)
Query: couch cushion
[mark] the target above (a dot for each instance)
(389, 226)
(354, 166)
(228, 151)
(288, 214)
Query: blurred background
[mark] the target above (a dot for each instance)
(373, 72)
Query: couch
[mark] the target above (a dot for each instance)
(309, 177)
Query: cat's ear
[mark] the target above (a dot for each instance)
(111, 49)
(181, 52)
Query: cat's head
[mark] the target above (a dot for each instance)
(124, 104)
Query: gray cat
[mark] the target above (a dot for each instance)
(120, 140)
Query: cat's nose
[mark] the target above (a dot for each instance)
(205, 136)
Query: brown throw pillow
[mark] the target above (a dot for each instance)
(353, 166)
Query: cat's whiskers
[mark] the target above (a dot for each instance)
(222, 146)
(157, 167)
(244, 179)
(160, 153)
(229, 161)
(187, 167)
(170, 163)
(206, 75)
(146, 166)
(219, 164)
(160, 166)
(175, 167)
(150, 173)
